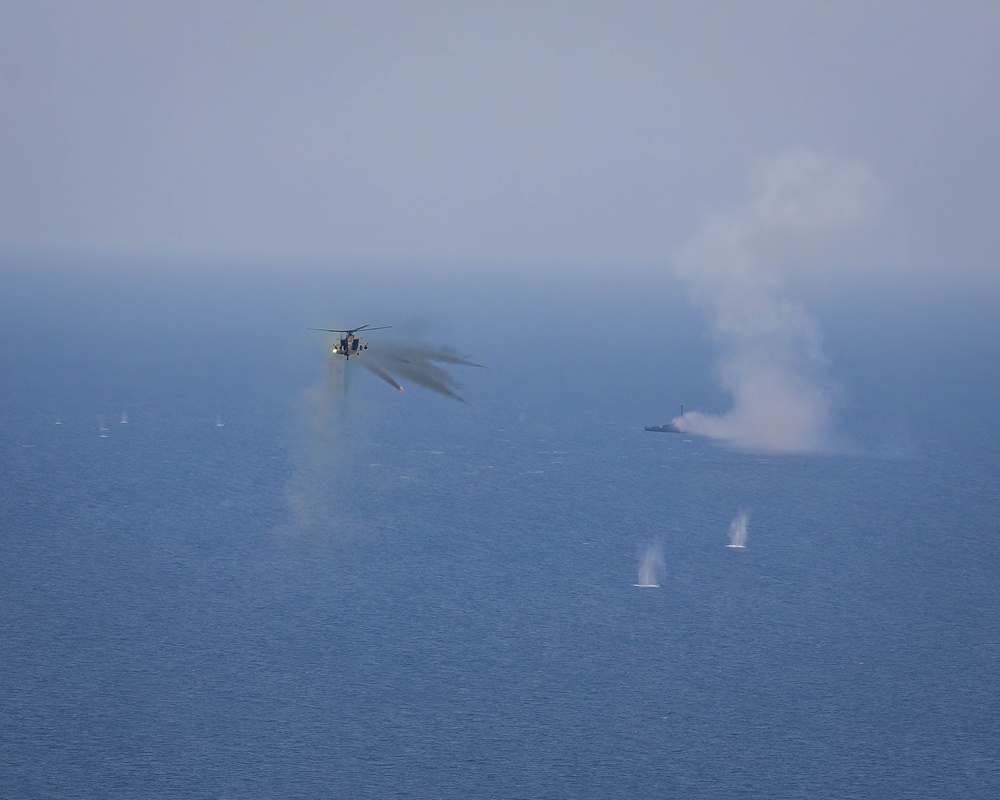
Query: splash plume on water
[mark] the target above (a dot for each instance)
(650, 566)
(738, 530)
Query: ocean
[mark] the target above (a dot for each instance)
(230, 571)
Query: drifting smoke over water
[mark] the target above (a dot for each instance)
(650, 566)
(738, 530)
(332, 446)
(735, 269)
(321, 457)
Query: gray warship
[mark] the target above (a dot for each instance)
(668, 427)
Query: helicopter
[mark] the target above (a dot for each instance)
(349, 344)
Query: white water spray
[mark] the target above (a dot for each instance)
(738, 530)
(650, 567)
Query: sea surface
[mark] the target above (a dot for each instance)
(319, 587)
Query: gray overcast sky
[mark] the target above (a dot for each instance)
(540, 133)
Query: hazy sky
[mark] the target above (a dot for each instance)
(544, 133)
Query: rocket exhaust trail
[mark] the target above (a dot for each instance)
(419, 365)
(415, 363)
(409, 354)
(382, 374)
(430, 377)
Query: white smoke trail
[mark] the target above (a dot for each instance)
(329, 446)
(735, 269)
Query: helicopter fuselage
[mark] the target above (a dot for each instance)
(350, 345)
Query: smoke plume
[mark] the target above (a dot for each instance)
(419, 364)
(332, 446)
(736, 270)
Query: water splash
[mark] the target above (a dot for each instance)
(738, 530)
(650, 567)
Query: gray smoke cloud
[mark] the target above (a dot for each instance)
(416, 363)
(321, 458)
(737, 268)
(331, 444)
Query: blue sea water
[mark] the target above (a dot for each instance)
(342, 591)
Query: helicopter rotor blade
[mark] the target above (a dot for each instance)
(352, 330)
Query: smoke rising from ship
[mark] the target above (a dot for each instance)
(736, 269)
